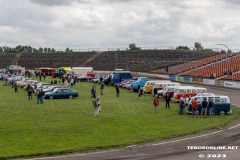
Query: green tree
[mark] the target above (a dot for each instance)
(45, 50)
(35, 50)
(49, 50)
(198, 46)
(183, 48)
(53, 50)
(40, 50)
(67, 50)
(133, 46)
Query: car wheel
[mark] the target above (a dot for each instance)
(222, 113)
(70, 97)
(51, 97)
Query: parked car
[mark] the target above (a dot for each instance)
(82, 78)
(61, 93)
(96, 79)
(140, 82)
(51, 88)
(221, 106)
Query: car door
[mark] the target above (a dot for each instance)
(66, 93)
(58, 93)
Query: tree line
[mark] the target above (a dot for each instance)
(197, 46)
(29, 49)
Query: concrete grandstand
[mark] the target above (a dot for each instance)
(179, 62)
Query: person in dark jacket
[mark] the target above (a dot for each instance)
(117, 90)
(167, 99)
(204, 107)
(181, 106)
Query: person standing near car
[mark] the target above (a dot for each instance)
(204, 107)
(140, 92)
(167, 99)
(181, 106)
(194, 107)
(30, 91)
(211, 107)
(117, 90)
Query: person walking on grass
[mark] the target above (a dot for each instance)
(98, 104)
(155, 103)
(101, 88)
(117, 90)
(140, 92)
(30, 91)
(204, 107)
(95, 106)
(16, 87)
(44, 76)
(93, 91)
(167, 99)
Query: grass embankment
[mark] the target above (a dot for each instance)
(65, 125)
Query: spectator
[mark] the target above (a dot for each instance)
(40, 76)
(211, 107)
(101, 88)
(93, 92)
(29, 90)
(117, 90)
(16, 87)
(72, 81)
(65, 83)
(181, 106)
(194, 107)
(40, 95)
(98, 104)
(101, 79)
(204, 107)
(44, 76)
(140, 92)
(167, 99)
(155, 91)
(95, 106)
(155, 103)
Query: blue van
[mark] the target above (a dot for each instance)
(222, 104)
(117, 77)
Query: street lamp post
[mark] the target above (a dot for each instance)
(231, 57)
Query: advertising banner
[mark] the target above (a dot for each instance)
(179, 78)
(231, 84)
(172, 78)
(209, 81)
(197, 80)
(188, 79)
(219, 82)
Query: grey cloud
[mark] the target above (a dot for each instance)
(234, 2)
(57, 2)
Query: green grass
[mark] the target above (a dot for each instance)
(66, 125)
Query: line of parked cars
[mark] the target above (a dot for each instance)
(222, 103)
(52, 91)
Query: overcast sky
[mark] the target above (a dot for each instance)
(103, 24)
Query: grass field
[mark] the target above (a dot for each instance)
(66, 125)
